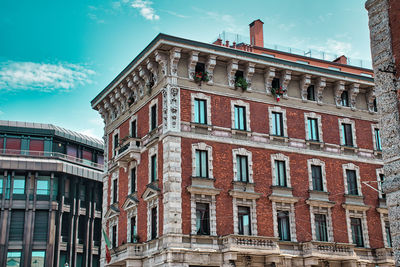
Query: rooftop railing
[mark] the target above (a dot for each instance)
(311, 53)
(50, 154)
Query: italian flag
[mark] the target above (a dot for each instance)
(108, 245)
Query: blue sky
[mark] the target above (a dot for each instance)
(56, 56)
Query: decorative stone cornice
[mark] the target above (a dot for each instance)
(244, 194)
(174, 56)
(356, 207)
(162, 60)
(231, 69)
(210, 65)
(319, 88)
(371, 96)
(285, 77)
(139, 84)
(120, 97)
(305, 82)
(269, 75)
(339, 88)
(353, 92)
(145, 75)
(193, 59)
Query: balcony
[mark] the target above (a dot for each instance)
(129, 150)
(329, 250)
(253, 244)
(50, 154)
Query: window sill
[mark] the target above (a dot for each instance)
(315, 143)
(202, 178)
(240, 132)
(279, 138)
(279, 187)
(201, 125)
(345, 147)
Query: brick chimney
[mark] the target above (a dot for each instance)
(341, 60)
(256, 33)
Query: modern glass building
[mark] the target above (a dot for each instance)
(50, 196)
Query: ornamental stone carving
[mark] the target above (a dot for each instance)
(162, 60)
(269, 75)
(319, 88)
(354, 90)
(171, 112)
(174, 56)
(231, 69)
(248, 74)
(193, 59)
(339, 88)
(371, 96)
(210, 65)
(304, 84)
(285, 77)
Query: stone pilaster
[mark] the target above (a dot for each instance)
(386, 87)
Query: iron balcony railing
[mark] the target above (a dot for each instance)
(50, 154)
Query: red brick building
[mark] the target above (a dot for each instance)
(237, 155)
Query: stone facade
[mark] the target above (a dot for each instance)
(259, 155)
(384, 31)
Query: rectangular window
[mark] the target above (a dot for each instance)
(276, 83)
(43, 186)
(244, 221)
(388, 235)
(41, 226)
(313, 129)
(153, 117)
(280, 173)
(8, 186)
(115, 191)
(240, 118)
(352, 182)
(378, 140)
(344, 99)
(38, 258)
(202, 218)
(133, 128)
(202, 163)
(14, 258)
(283, 225)
(24, 146)
(133, 180)
(82, 223)
(310, 93)
(116, 141)
(154, 223)
(65, 226)
(200, 111)
(347, 134)
(114, 236)
(242, 172)
(321, 232)
(153, 168)
(356, 231)
(277, 124)
(17, 225)
(134, 238)
(316, 172)
(19, 185)
(1, 185)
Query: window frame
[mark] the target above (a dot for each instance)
(153, 151)
(241, 214)
(276, 109)
(207, 99)
(321, 230)
(358, 234)
(133, 130)
(284, 158)
(311, 90)
(279, 220)
(356, 169)
(344, 99)
(376, 140)
(152, 104)
(246, 115)
(248, 154)
(203, 147)
(353, 132)
(201, 159)
(207, 224)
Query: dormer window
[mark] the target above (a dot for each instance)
(344, 99)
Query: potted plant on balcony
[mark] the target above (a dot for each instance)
(278, 92)
(241, 83)
(201, 76)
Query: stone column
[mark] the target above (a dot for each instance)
(386, 86)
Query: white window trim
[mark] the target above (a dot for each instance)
(280, 157)
(351, 213)
(132, 212)
(373, 127)
(211, 201)
(251, 203)
(317, 162)
(313, 115)
(242, 152)
(111, 223)
(353, 130)
(202, 146)
(351, 166)
(328, 215)
(115, 176)
(151, 152)
(152, 103)
(133, 118)
(378, 178)
(384, 218)
(151, 203)
(282, 206)
(208, 105)
(132, 165)
(116, 131)
(247, 107)
(279, 110)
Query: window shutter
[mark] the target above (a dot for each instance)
(36, 145)
(41, 225)
(13, 144)
(17, 225)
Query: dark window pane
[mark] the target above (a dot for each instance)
(344, 99)
(347, 134)
(242, 172)
(240, 118)
(133, 128)
(115, 191)
(114, 236)
(244, 221)
(153, 117)
(356, 230)
(17, 225)
(317, 178)
(41, 226)
(283, 225)
(154, 223)
(203, 218)
(352, 186)
(202, 163)
(200, 111)
(280, 173)
(310, 93)
(134, 238)
(320, 227)
(153, 168)
(133, 180)
(277, 124)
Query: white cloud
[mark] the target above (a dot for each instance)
(42, 76)
(145, 9)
